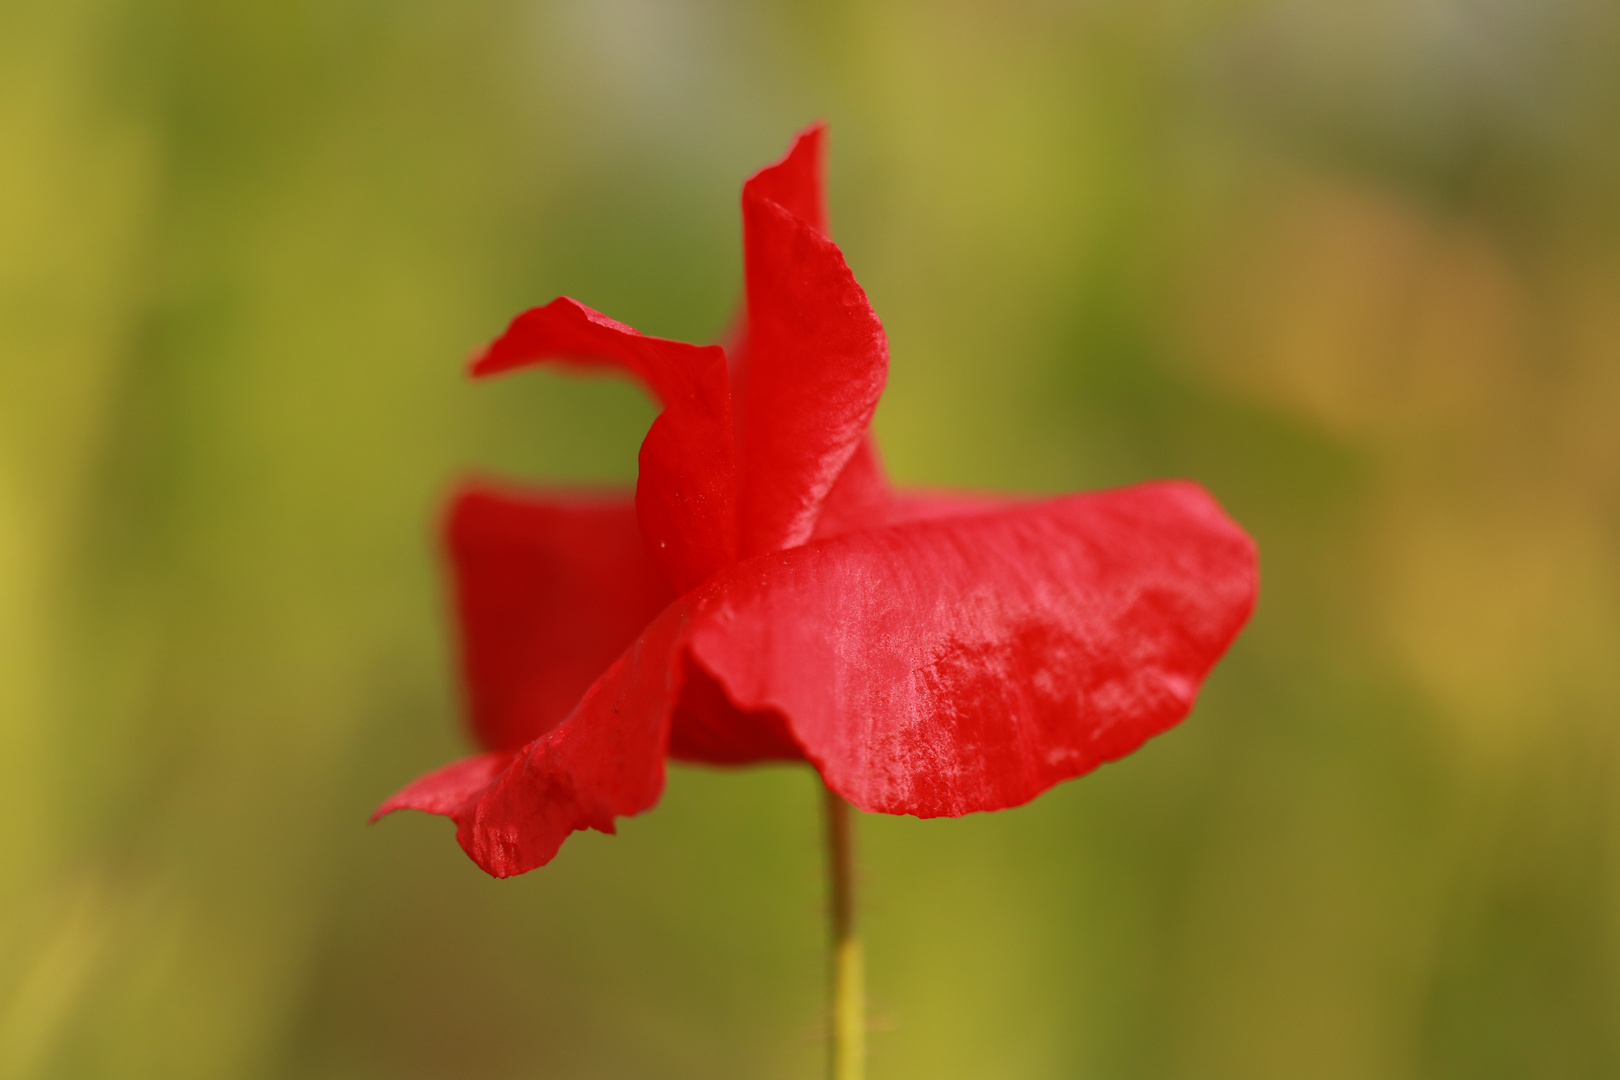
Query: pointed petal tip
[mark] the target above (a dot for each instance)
(445, 790)
(813, 136)
(510, 350)
(797, 180)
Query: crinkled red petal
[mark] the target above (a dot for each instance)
(604, 762)
(970, 662)
(817, 360)
(549, 590)
(934, 668)
(686, 491)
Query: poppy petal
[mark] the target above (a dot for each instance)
(605, 761)
(797, 183)
(686, 491)
(817, 360)
(707, 728)
(549, 590)
(863, 499)
(861, 496)
(971, 662)
(444, 791)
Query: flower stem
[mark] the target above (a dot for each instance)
(848, 1060)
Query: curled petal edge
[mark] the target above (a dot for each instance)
(686, 488)
(513, 811)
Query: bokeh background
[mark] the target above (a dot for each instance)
(1354, 266)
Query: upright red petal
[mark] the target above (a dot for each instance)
(817, 360)
(549, 591)
(971, 662)
(797, 183)
(686, 492)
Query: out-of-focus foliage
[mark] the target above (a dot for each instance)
(1355, 266)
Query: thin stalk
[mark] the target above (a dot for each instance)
(848, 1059)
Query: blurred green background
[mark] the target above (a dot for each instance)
(1354, 266)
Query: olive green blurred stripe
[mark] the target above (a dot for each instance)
(77, 181)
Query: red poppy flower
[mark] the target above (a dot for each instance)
(766, 595)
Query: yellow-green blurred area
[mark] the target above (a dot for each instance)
(1354, 266)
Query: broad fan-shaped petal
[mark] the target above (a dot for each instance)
(686, 490)
(969, 663)
(549, 590)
